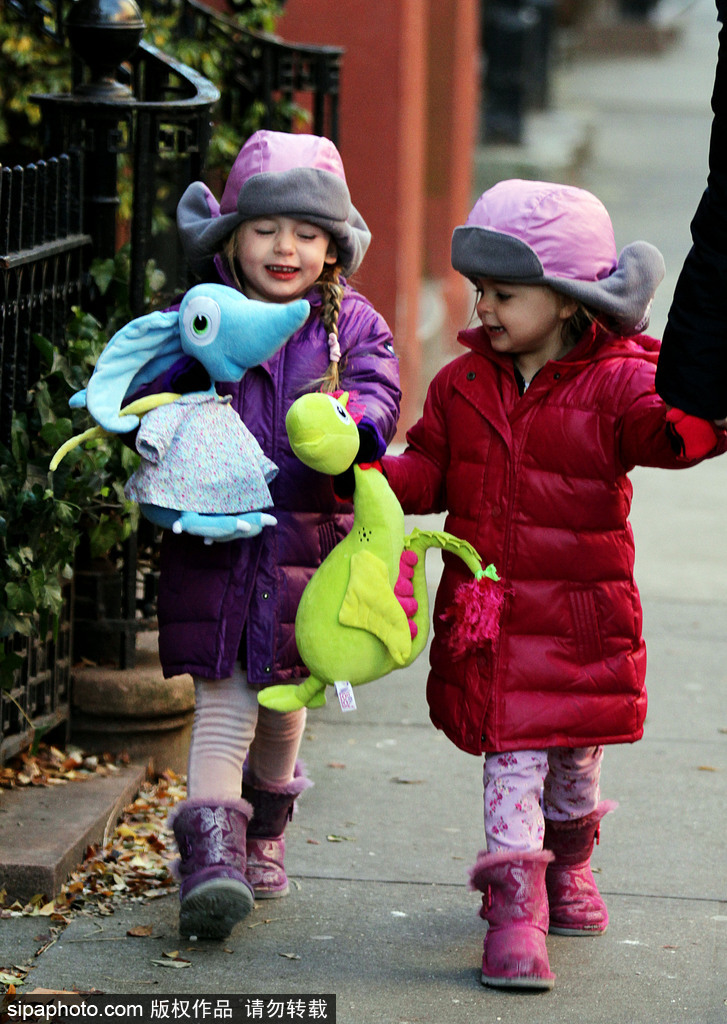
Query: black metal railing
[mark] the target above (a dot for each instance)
(262, 69)
(161, 132)
(39, 697)
(46, 16)
(42, 257)
(42, 251)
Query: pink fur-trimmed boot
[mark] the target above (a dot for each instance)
(515, 906)
(214, 891)
(272, 810)
(576, 905)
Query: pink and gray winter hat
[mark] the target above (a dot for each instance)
(537, 232)
(299, 176)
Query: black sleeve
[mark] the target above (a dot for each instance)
(692, 369)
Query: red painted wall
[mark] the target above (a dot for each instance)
(407, 116)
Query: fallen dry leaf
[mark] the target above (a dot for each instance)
(141, 931)
(49, 766)
(8, 978)
(172, 959)
(133, 864)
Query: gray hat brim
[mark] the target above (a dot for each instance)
(625, 295)
(304, 193)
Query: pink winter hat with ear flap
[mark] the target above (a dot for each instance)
(298, 176)
(536, 232)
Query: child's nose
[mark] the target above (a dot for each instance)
(284, 241)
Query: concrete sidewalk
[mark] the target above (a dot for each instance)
(379, 912)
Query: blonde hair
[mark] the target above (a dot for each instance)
(332, 292)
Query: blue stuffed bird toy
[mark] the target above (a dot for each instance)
(201, 471)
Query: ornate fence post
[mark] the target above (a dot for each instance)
(103, 34)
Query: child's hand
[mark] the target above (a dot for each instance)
(690, 436)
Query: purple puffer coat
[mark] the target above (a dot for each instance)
(210, 595)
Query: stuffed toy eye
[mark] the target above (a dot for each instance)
(201, 320)
(341, 411)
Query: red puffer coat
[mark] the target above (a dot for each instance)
(539, 485)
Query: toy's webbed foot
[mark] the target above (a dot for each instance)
(222, 528)
(292, 697)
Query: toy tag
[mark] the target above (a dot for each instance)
(344, 692)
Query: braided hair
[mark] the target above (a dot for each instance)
(332, 292)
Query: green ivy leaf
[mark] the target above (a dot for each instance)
(20, 598)
(10, 663)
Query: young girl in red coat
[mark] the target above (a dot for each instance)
(527, 440)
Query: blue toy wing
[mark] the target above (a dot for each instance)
(136, 354)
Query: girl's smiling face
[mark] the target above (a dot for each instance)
(523, 320)
(281, 258)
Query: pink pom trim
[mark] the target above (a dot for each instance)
(474, 615)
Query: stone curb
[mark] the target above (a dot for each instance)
(45, 832)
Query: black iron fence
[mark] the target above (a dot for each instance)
(42, 250)
(157, 131)
(284, 80)
(42, 256)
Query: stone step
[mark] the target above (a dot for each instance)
(45, 831)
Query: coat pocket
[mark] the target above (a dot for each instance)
(586, 626)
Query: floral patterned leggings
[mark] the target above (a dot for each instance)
(523, 787)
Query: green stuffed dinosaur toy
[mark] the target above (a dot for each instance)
(365, 611)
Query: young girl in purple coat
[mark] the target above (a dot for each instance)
(527, 440)
(284, 229)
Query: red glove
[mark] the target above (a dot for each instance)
(691, 437)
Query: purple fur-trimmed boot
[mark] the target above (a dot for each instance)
(214, 891)
(272, 810)
(576, 905)
(515, 906)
